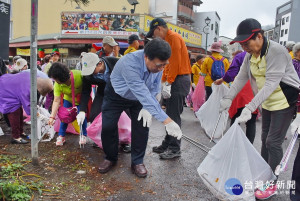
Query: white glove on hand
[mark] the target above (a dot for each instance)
(147, 118)
(174, 130)
(245, 116)
(296, 124)
(193, 85)
(225, 104)
(80, 118)
(166, 90)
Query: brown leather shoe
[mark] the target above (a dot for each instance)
(139, 170)
(105, 166)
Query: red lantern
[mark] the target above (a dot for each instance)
(41, 53)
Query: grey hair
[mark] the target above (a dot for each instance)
(296, 48)
(289, 45)
(44, 85)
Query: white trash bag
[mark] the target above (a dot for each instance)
(1, 132)
(208, 114)
(44, 131)
(233, 167)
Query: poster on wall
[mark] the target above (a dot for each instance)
(99, 23)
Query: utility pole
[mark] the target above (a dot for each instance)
(206, 42)
(33, 84)
(4, 31)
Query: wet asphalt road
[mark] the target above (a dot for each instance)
(177, 179)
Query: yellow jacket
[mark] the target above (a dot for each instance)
(129, 49)
(292, 54)
(207, 64)
(196, 69)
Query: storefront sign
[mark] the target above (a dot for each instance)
(61, 51)
(26, 52)
(23, 52)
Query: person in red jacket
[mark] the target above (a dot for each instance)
(94, 24)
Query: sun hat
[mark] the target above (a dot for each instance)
(216, 47)
(109, 40)
(20, 64)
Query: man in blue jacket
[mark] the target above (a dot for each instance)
(135, 82)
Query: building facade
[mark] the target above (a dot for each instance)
(51, 25)
(178, 12)
(269, 33)
(49, 19)
(212, 29)
(66, 25)
(287, 22)
(227, 48)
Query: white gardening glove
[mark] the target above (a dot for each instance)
(174, 130)
(166, 90)
(225, 104)
(80, 118)
(245, 116)
(147, 118)
(193, 85)
(295, 124)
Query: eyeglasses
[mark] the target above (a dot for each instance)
(245, 44)
(100, 62)
(161, 65)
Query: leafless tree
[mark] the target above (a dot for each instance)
(83, 2)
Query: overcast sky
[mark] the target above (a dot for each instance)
(232, 12)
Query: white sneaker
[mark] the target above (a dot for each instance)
(82, 140)
(60, 141)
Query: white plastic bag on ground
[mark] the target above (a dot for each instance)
(44, 131)
(1, 131)
(208, 114)
(233, 167)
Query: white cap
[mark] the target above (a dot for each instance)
(89, 62)
(81, 55)
(109, 40)
(20, 64)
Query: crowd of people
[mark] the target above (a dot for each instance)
(264, 78)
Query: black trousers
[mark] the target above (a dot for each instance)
(274, 127)
(6, 119)
(113, 106)
(295, 193)
(174, 107)
(208, 91)
(250, 124)
(96, 106)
